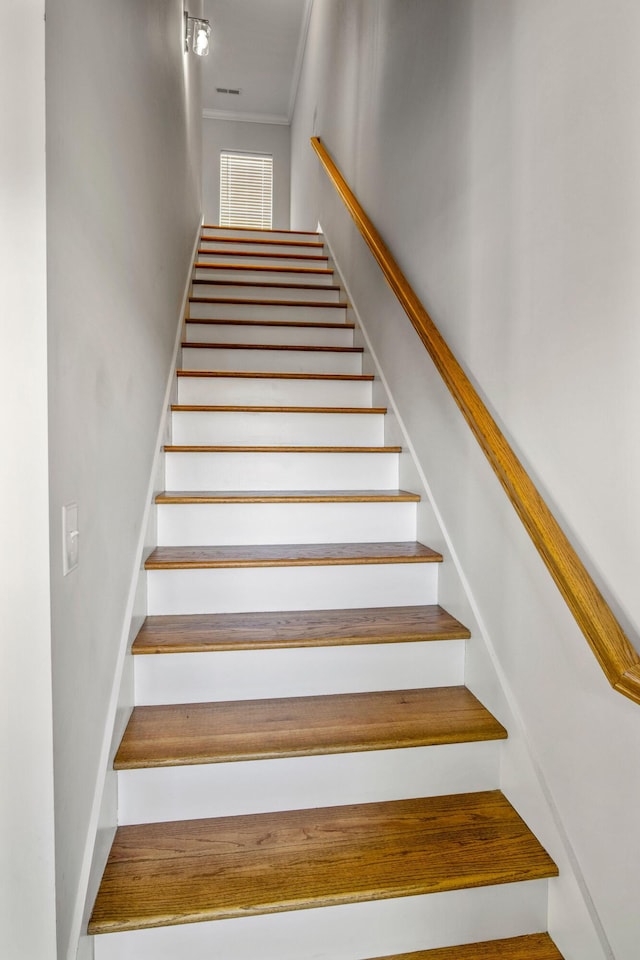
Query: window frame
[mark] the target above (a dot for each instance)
(246, 196)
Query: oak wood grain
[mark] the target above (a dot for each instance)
(289, 555)
(287, 496)
(536, 946)
(313, 324)
(229, 408)
(204, 265)
(266, 241)
(186, 871)
(291, 347)
(608, 641)
(248, 448)
(275, 375)
(306, 257)
(193, 733)
(198, 633)
(330, 305)
(269, 284)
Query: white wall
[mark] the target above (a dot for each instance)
(269, 138)
(123, 182)
(27, 882)
(495, 144)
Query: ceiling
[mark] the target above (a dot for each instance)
(257, 48)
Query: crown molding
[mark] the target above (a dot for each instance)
(277, 118)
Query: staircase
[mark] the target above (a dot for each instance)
(304, 776)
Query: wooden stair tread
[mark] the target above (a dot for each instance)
(199, 633)
(270, 255)
(219, 226)
(271, 241)
(289, 555)
(272, 284)
(252, 448)
(254, 408)
(287, 496)
(176, 735)
(196, 870)
(535, 946)
(305, 348)
(203, 265)
(275, 375)
(313, 324)
(243, 302)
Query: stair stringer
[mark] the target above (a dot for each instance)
(574, 923)
(104, 817)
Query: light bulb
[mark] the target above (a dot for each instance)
(197, 34)
(201, 44)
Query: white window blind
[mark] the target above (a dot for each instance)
(246, 190)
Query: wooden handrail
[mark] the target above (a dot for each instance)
(613, 650)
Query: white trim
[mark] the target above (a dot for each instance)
(278, 118)
(80, 905)
(297, 69)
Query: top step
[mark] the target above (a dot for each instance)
(253, 234)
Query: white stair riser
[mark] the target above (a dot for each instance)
(281, 471)
(245, 787)
(281, 249)
(297, 671)
(266, 292)
(199, 524)
(321, 429)
(346, 932)
(262, 311)
(237, 590)
(275, 392)
(247, 259)
(261, 276)
(284, 361)
(234, 233)
(238, 333)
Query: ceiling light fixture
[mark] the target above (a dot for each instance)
(197, 35)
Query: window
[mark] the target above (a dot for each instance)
(246, 190)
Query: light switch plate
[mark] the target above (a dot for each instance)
(70, 538)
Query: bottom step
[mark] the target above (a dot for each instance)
(537, 946)
(186, 871)
(349, 932)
